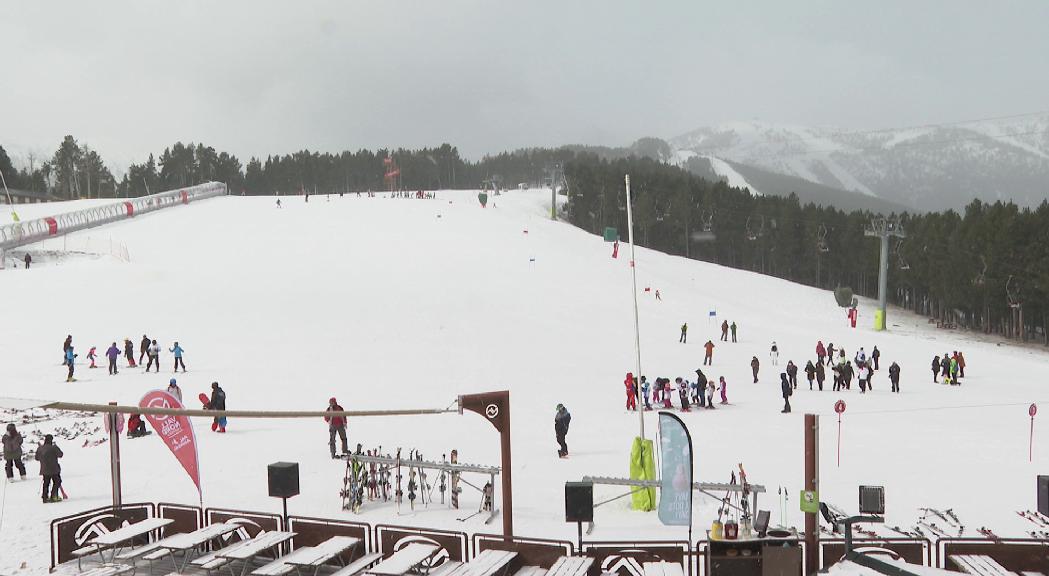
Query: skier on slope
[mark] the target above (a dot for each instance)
(684, 333)
(336, 425)
(847, 373)
(174, 390)
(945, 366)
(177, 351)
(701, 388)
(961, 365)
(682, 392)
(786, 391)
(217, 402)
(91, 356)
(667, 394)
(129, 353)
(48, 454)
(733, 329)
(935, 367)
(821, 352)
(12, 449)
(143, 348)
(839, 377)
(754, 365)
(631, 394)
(774, 353)
(830, 353)
(954, 372)
(708, 357)
(861, 377)
(710, 394)
(792, 373)
(724, 390)
(894, 377)
(810, 373)
(875, 355)
(724, 330)
(112, 353)
(70, 360)
(66, 345)
(154, 355)
(821, 375)
(645, 387)
(561, 421)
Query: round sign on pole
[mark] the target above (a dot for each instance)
(120, 423)
(839, 406)
(1033, 410)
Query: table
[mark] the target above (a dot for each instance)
(404, 561)
(570, 566)
(115, 540)
(979, 565)
(252, 548)
(487, 563)
(663, 568)
(318, 555)
(108, 570)
(187, 543)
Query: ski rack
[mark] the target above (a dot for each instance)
(490, 471)
(705, 488)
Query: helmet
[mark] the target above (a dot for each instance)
(332, 400)
(171, 382)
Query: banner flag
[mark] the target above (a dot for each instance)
(175, 431)
(675, 499)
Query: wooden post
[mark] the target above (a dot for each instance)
(495, 407)
(114, 456)
(812, 482)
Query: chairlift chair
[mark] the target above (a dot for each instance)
(901, 262)
(981, 277)
(753, 234)
(821, 239)
(1012, 293)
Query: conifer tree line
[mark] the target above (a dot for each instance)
(986, 268)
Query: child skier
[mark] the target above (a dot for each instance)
(70, 359)
(154, 356)
(177, 351)
(91, 356)
(174, 390)
(645, 387)
(667, 394)
(631, 394)
(129, 353)
(710, 394)
(682, 392)
(774, 354)
(724, 390)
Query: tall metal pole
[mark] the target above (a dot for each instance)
(812, 482)
(633, 278)
(883, 229)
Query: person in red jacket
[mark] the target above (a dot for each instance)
(336, 425)
(631, 391)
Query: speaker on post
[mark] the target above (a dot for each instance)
(1043, 495)
(283, 479)
(579, 502)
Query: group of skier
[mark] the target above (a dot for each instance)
(699, 392)
(950, 368)
(149, 350)
(47, 454)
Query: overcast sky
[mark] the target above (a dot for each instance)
(253, 77)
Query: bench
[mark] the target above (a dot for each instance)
(366, 561)
(405, 560)
(979, 565)
(487, 563)
(530, 571)
(663, 569)
(108, 570)
(446, 569)
(87, 550)
(282, 565)
(570, 566)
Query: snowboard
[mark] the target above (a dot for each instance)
(205, 400)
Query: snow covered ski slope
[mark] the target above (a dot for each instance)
(388, 303)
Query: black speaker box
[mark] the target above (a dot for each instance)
(1043, 495)
(284, 479)
(579, 502)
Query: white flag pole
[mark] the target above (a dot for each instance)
(637, 333)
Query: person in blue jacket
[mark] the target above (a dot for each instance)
(70, 360)
(177, 351)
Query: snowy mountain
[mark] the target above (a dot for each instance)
(922, 168)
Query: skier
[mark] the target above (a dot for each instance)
(830, 353)
(724, 330)
(724, 390)
(792, 373)
(954, 372)
(810, 373)
(945, 366)
(91, 356)
(174, 390)
(631, 394)
(894, 376)
(336, 425)
(861, 377)
(645, 387)
(754, 365)
(838, 377)
(28, 260)
(154, 355)
(935, 367)
(786, 390)
(561, 421)
(821, 352)
(733, 328)
(961, 365)
(177, 351)
(278, 202)
(658, 297)
(67, 344)
(136, 427)
(710, 394)
(821, 375)
(143, 348)
(875, 355)
(218, 402)
(48, 454)
(774, 354)
(129, 352)
(657, 391)
(113, 353)
(701, 388)
(684, 333)
(12, 448)
(708, 357)
(860, 358)
(667, 392)
(847, 373)
(682, 392)
(70, 360)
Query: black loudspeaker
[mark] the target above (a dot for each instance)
(579, 502)
(1043, 495)
(284, 479)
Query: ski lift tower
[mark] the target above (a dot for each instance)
(392, 175)
(883, 228)
(557, 179)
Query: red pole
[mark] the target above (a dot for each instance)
(839, 440)
(1030, 445)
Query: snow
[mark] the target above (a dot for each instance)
(389, 303)
(731, 176)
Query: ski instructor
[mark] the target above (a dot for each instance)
(336, 425)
